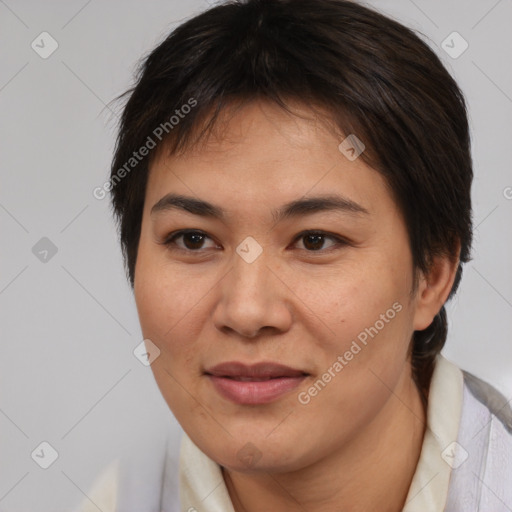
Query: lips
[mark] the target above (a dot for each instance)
(255, 372)
(254, 384)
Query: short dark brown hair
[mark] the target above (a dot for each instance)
(375, 77)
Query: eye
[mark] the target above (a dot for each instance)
(314, 240)
(192, 240)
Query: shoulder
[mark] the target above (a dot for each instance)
(481, 478)
(144, 476)
(490, 398)
(103, 494)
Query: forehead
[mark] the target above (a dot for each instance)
(262, 155)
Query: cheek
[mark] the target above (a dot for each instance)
(354, 299)
(370, 326)
(167, 304)
(360, 369)
(166, 316)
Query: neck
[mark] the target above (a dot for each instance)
(373, 472)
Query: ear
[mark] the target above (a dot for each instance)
(433, 289)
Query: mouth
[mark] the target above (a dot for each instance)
(249, 379)
(256, 384)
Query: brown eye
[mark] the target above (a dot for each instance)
(315, 241)
(191, 240)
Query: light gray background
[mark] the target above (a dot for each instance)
(69, 326)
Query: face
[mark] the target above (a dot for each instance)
(242, 279)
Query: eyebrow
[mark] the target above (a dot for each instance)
(297, 208)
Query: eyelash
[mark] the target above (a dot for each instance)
(339, 242)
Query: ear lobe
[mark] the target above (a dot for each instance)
(434, 289)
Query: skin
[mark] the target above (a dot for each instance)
(356, 444)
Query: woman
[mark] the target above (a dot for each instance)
(292, 184)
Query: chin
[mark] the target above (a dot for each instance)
(254, 455)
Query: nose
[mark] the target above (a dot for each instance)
(253, 297)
